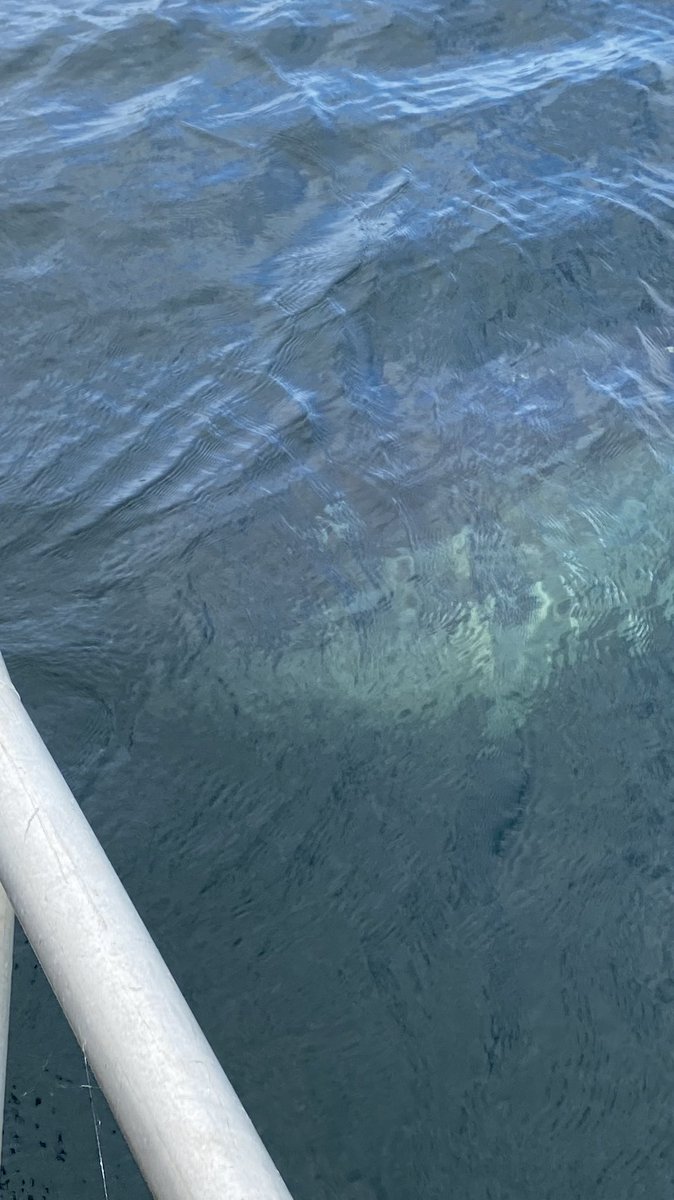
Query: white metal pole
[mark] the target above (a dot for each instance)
(6, 965)
(180, 1115)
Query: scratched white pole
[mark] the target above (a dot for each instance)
(6, 965)
(180, 1115)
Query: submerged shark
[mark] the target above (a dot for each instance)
(548, 513)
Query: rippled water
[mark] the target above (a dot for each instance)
(336, 545)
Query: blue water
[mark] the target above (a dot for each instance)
(337, 513)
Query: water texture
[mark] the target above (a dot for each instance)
(337, 512)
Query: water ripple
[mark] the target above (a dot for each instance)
(488, 82)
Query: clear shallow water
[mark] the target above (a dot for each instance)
(336, 543)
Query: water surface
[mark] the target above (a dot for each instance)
(336, 543)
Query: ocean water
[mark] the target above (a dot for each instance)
(336, 547)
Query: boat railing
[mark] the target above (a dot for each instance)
(180, 1115)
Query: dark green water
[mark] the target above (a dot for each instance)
(336, 520)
